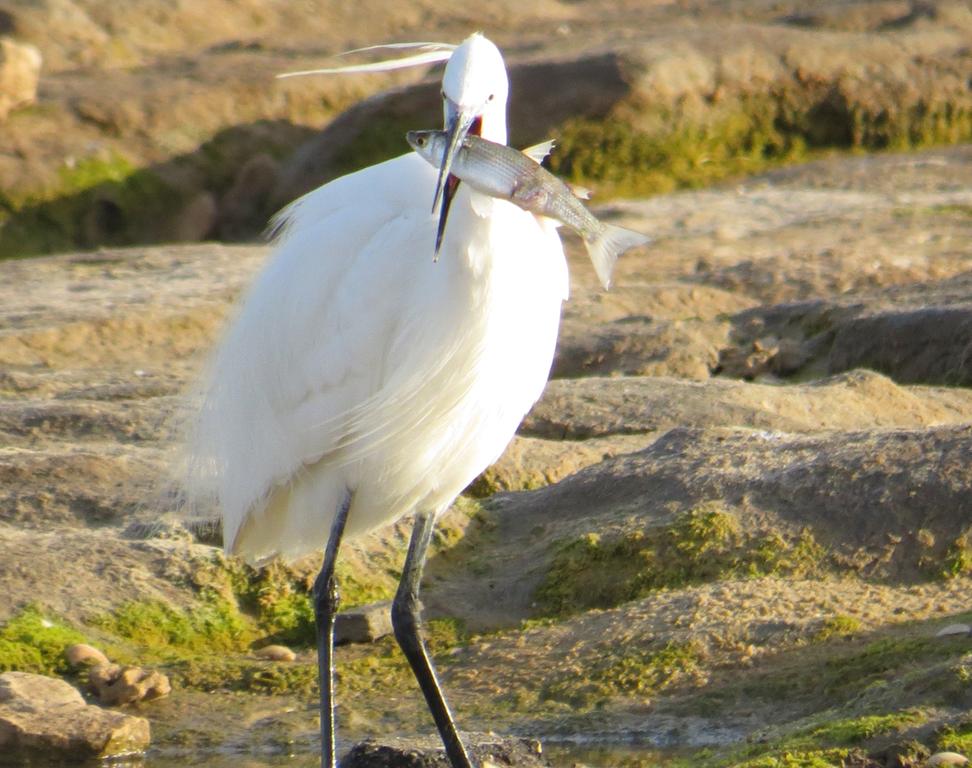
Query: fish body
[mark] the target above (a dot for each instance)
(509, 174)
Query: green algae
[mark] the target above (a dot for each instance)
(278, 597)
(31, 641)
(211, 625)
(622, 160)
(655, 150)
(955, 737)
(98, 203)
(838, 626)
(824, 758)
(831, 742)
(235, 673)
(107, 200)
(957, 560)
(855, 730)
(207, 649)
(634, 672)
(383, 671)
(878, 672)
(700, 545)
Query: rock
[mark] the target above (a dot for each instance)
(114, 684)
(197, 219)
(364, 624)
(530, 462)
(861, 495)
(922, 345)
(82, 655)
(637, 346)
(919, 333)
(64, 563)
(579, 409)
(247, 200)
(275, 653)
(946, 758)
(45, 719)
(487, 750)
(954, 629)
(20, 65)
(779, 357)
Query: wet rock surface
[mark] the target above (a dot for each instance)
(45, 718)
(488, 750)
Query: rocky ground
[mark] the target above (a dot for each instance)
(736, 529)
(727, 523)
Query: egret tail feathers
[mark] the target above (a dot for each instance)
(606, 247)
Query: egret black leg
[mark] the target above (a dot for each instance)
(326, 599)
(407, 624)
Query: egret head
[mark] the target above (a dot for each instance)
(475, 87)
(474, 92)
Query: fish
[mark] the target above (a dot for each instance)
(509, 174)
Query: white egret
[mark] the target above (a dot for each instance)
(363, 380)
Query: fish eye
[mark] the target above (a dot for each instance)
(421, 141)
(491, 97)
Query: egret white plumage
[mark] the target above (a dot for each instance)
(362, 380)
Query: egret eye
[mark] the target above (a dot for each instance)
(491, 97)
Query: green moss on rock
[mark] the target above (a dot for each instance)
(958, 557)
(837, 741)
(650, 150)
(838, 626)
(212, 625)
(956, 737)
(675, 152)
(99, 202)
(819, 758)
(699, 545)
(30, 641)
(635, 672)
(855, 730)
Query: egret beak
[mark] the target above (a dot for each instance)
(458, 124)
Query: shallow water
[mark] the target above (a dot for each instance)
(559, 755)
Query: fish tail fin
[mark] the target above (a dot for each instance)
(607, 246)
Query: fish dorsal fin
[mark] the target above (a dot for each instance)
(538, 152)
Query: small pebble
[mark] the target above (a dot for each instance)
(276, 653)
(947, 758)
(953, 629)
(82, 655)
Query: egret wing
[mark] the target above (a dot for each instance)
(304, 370)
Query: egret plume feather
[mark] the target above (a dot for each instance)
(430, 53)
